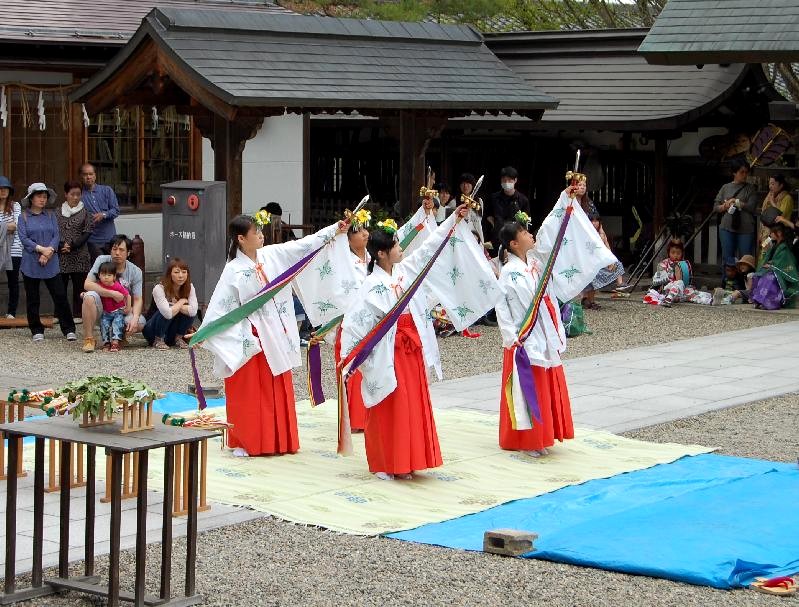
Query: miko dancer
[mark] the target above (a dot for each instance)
(255, 355)
(400, 432)
(535, 409)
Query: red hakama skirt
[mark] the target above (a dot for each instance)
(400, 433)
(354, 397)
(261, 408)
(553, 401)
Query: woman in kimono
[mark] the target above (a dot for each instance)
(400, 432)
(580, 256)
(255, 356)
(358, 237)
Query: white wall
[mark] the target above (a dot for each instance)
(271, 166)
(148, 226)
(688, 144)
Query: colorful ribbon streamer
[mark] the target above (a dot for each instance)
(362, 350)
(521, 360)
(314, 358)
(232, 318)
(411, 235)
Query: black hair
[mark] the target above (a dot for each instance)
(736, 164)
(441, 187)
(508, 233)
(273, 208)
(780, 178)
(379, 240)
(594, 216)
(468, 178)
(239, 226)
(509, 172)
(118, 240)
(107, 267)
(781, 229)
(676, 244)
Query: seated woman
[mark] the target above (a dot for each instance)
(778, 199)
(776, 281)
(175, 303)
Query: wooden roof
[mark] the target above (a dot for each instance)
(602, 82)
(99, 21)
(724, 31)
(236, 61)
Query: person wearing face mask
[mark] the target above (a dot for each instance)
(503, 205)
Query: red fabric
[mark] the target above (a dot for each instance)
(261, 408)
(354, 396)
(553, 401)
(400, 433)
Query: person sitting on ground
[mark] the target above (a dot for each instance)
(737, 289)
(776, 281)
(673, 279)
(174, 308)
(733, 281)
(779, 199)
(112, 320)
(129, 275)
(606, 275)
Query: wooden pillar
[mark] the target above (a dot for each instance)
(415, 134)
(661, 183)
(228, 138)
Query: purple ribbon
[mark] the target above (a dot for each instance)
(197, 386)
(527, 382)
(315, 375)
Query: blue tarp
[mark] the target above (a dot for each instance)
(710, 520)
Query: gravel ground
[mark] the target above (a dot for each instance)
(271, 562)
(619, 325)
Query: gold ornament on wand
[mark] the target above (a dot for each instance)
(427, 191)
(574, 177)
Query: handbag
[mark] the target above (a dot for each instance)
(769, 217)
(766, 291)
(573, 317)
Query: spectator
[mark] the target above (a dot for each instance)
(605, 275)
(101, 202)
(9, 215)
(673, 278)
(446, 202)
(38, 232)
(75, 227)
(776, 281)
(466, 185)
(504, 204)
(737, 282)
(175, 303)
(112, 320)
(276, 231)
(777, 206)
(736, 202)
(129, 275)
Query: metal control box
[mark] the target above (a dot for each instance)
(195, 230)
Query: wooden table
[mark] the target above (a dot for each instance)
(116, 445)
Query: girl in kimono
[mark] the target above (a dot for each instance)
(358, 237)
(778, 269)
(256, 355)
(400, 432)
(518, 280)
(673, 279)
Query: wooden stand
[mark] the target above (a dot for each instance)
(77, 476)
(137, 416)
(10, 412)
(90, 421)
(130, 477)
(180, 506)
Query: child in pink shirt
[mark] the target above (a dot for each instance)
(112, 321)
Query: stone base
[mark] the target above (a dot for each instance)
(508, 542)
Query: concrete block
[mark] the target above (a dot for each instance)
(508, 542)
(210, 391)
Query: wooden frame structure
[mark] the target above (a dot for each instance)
(229, 71)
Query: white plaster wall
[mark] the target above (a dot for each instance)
(148, 226)
(688, 144)
(271, 167)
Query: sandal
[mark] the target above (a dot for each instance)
(114, 346)
(160, 344)
(781, 586)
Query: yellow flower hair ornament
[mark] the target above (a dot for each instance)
(262, 218)
(523, 218)
(361, 219)
(388, 225)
